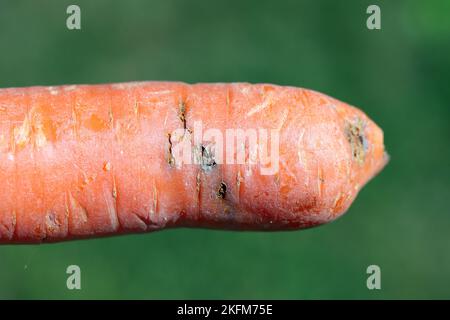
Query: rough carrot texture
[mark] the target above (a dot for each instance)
(93, 160)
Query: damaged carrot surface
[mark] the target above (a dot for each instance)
(84, 161)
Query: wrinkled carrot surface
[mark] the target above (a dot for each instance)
(85, 161)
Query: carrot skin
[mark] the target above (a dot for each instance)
(84, 161)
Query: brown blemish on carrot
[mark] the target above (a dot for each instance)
(354, 133)
(182, 114)
(222, 190)
(208, 161)
(170, 159)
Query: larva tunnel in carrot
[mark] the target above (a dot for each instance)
(94, 160)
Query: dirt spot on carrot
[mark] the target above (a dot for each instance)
(222, 190)
(354, 132)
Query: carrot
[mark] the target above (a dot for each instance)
(85, 161)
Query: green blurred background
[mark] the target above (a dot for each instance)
(398, 75)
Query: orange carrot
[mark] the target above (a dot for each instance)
(85, 161)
